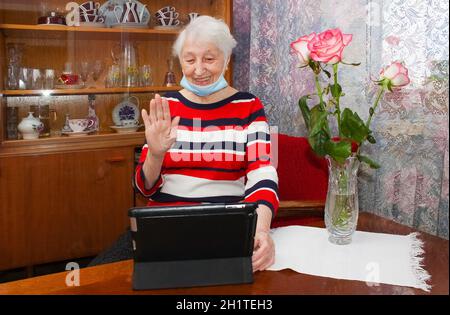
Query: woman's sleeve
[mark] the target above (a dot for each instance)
(261, 176)
(139, 177)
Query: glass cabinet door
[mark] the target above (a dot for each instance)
(86, 69)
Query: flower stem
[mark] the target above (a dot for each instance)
(338, 96)
(375, 105)
(319, 91)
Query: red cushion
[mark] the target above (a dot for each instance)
(301, 174)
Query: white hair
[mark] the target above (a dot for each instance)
(207, 29)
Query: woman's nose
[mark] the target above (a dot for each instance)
(199, 69)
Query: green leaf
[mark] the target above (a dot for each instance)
(318, 120)
(338, 150)
(315, 66)
(327, 73)
(353, 127)
(320, 131)
(389, 86)
(336, 90)
(318, 142)
(351, 64)
(369, 162)
(371, 139)
(306, 113)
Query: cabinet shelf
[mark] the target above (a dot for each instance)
(56, 31)
(89, 91)
(70, 144)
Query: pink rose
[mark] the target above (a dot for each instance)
(300, 47)
(396, 73)
(328, 46)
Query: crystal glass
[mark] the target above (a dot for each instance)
(341, 207)
(49, 79)
(12, 82)
(145, 75)
(25, 78)
(84, 72)
(97, 69)
(113, 76)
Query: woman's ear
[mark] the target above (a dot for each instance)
(227, 63)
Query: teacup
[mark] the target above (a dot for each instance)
(170, 14)
(89, 6)
(130, 123)
(94, 11)
(81, 124)
(165, 9)
(192, 16)
(91, 18)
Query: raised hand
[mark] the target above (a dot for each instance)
(160, 130)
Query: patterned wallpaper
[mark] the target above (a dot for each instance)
(411, 127)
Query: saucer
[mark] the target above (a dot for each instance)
(125, 129)
(73, 133)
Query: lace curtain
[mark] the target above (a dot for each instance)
(411, 127)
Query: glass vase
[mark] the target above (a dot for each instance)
(341, 207)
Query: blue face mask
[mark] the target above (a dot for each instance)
(204, 90)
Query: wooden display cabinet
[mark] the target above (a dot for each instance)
(67, 197)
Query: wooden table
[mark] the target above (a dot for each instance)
(116, 278)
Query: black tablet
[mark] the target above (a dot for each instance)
(197, 245)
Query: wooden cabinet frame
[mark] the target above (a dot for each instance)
(67, 197)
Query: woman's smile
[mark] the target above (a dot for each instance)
(202, 81)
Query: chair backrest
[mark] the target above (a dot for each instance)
(302, 174)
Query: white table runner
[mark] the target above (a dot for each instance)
(371, 257)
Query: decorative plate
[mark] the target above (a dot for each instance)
(107, 10)
(125, 129)
(125, 110)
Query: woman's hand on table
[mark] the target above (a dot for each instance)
(263, 252)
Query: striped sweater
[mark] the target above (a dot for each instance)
(221, 154)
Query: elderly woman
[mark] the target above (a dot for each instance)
(209, 142)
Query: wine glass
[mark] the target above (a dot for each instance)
(97, 70)
(84, 72)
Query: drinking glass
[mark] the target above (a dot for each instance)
(84, 72)
(97, 70)
(37, 82)
(49, 80)
(145, 75)
(113, 76)
(25, 78)
(13, 77)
